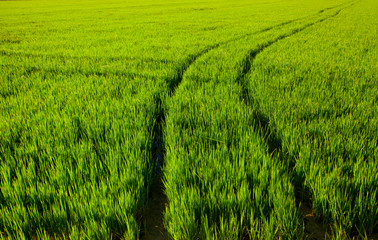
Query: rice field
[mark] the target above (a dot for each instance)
(176, 119)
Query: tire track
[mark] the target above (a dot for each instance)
(61, 57)
(189, 60)
(153, 218)
(154, 227)
(273, 141)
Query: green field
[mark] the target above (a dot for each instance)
(174, 119)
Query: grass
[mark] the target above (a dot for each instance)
(329, 126)
(264, 106)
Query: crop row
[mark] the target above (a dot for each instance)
(319, 91)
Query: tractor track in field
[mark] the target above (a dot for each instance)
(188, 61)
(61, 57)
(153, 227)
(273, 142)
(313, 229)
